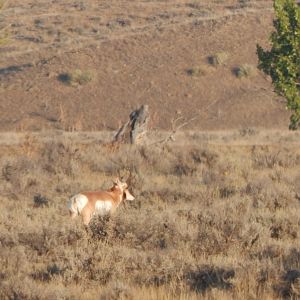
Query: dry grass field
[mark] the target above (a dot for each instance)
(216, 216)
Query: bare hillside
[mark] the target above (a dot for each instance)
(84, 65)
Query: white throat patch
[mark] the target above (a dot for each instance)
(128, 196)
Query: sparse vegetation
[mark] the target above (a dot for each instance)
(198, 71)
(198, 214)
(218, 59)
(77, 77)
(73, 35)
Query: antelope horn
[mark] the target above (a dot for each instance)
(129, 178)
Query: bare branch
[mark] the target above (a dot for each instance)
(175, 128)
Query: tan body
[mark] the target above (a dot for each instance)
(112, 197)
(88, 204)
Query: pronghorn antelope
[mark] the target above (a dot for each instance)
(88, 204)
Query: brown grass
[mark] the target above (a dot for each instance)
(209, 222)
(3, 35)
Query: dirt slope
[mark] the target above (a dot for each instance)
(135, 52)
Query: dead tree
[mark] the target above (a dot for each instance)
(134, 129)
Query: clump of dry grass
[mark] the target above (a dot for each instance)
(199, 71)
(248, 131)
(218, 59)
(245, 71)
(77, 77)
(198, 213)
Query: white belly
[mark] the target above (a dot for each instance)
(103, 207)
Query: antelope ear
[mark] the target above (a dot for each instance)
(119, 183)
(128, 196)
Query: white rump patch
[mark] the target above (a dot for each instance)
(103, 207)
(77, 203)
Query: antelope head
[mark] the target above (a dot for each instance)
(123, 186)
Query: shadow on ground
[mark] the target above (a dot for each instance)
(206, 278)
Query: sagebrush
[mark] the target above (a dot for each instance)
(209, 221)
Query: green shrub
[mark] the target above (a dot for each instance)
(282, 62)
